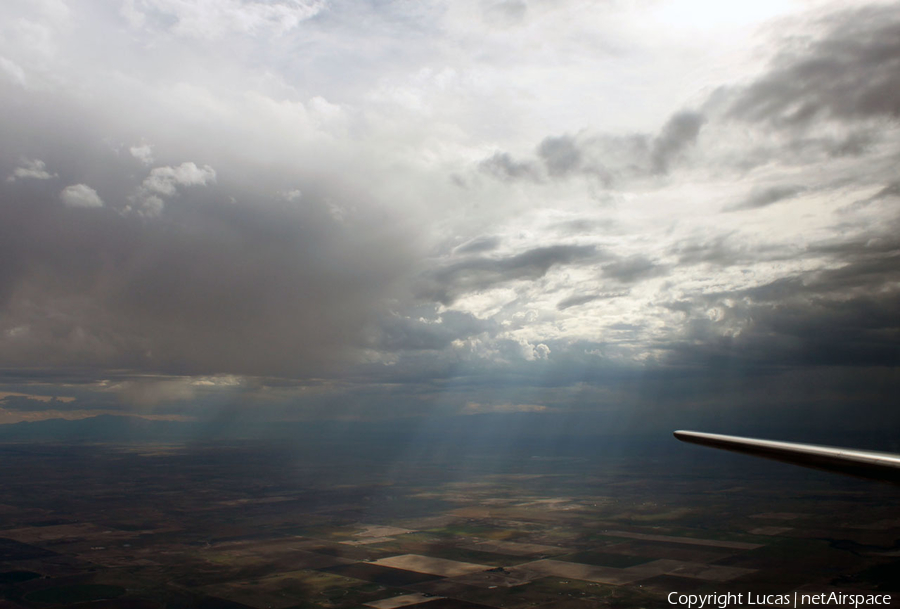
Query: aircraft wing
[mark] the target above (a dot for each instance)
(860, 463)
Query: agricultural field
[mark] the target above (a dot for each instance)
(219, 527)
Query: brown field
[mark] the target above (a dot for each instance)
(590, 573)
(510, 547)
(432, 566)
(404, 600)
(218, 528)
(715, 543)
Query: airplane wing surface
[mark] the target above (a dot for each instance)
(859, 463)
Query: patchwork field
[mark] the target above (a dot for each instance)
(206, 529)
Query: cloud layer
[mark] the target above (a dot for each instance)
(309, 208)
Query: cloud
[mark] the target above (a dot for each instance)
(766, 196)
(406, 333)
(849, 73)
(163, 182)
(504, 14)
(258, 288)
(80, 195)
(212, 21)
(581, 299)
(539, 351)
(292, 195)
(12, 71)
(533, 228)
(843, 316)
(446, 284)
(632, 269)
(32, 403)
(890, 190)
(4, 395)
(612, 159)
(478, 245)
(143, 153)
(561, 155)
(796, 331)
(503, 166)
(679, 132)
(31, 170)
(150, 392)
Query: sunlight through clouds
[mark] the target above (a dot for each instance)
(395, 205)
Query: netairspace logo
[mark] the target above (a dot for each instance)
(725, 599)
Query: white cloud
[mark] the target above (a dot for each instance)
(13, 71)
(337, 212)
(143, 153)
(131, 13)
(541, 351)
(210, 19)
(163, 182)
(151, 206)
(383, 112)
(80, 195)
(34, 170)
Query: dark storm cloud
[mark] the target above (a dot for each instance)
(851, 73)
(446, 284)
(858, 331)
(232, 270)
(822, 341)
(209, 287)
(844, 316)
(227, 276)
(766, 197)
(679, 132)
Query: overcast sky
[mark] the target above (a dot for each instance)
(664, 211)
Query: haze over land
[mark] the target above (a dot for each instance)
(343, 303)
(640, 215)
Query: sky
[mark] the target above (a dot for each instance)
(645, 213)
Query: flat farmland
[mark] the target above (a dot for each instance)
(218, 527)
